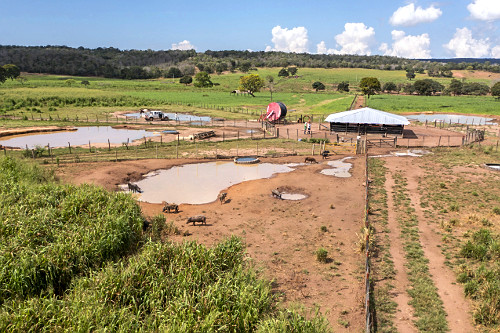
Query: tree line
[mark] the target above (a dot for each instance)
(144, 64)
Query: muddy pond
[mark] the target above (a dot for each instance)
(82, 136)
(201, 183)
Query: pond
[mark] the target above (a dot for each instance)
(176, 116)
(82, 135)
(453, 118)
(201, 183)
(339, 168)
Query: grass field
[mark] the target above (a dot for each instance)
(50, 93)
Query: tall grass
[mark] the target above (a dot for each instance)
(166, 287)
(50, 233)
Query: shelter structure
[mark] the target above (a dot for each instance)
(367, 120)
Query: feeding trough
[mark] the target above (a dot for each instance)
(275, 111)
(246, 160)
(493, 166)
(170, 132)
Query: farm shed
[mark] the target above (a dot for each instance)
(367, 120)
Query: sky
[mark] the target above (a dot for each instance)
(409, 29)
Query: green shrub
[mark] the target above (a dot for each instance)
(322, 255)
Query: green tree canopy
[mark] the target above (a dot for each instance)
(252, 83)
(369, 85)
(495, 90)
(410, 74)
(427, 87)
(318, 86)
(11, 71)
(475, 88)
(455, 87)
(390, 86)
(292, 70)
(283, 72)
(85, 83)
(186, 79)
(174, 72)
(343, 86)
(270, 85)
(245, 66)
(202, 80)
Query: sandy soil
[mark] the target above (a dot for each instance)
(281, 235)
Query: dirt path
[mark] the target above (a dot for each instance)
(451, 293)
(404, 315)
(360, 102)
(456, 306)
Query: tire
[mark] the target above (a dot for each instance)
(150, 118)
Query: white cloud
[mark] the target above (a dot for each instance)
(184, 45)
(413, 47)
(293, 40)
(465, 46)
(322, 49)
(409, 15)
(355, 39)
(495, 52)
(485, 10)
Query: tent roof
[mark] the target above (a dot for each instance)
(367, 116)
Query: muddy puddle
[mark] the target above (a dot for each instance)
(339, 168)
(409, 152)
(453, 118)
(201, 183)
(292, 196)
(82, 136)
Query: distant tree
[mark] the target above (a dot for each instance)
(209, 69)
(318, 86)
(495, 90)
(3, 74)
(220, 67)
(200, 66)
(70, 82)
(389, 86)
(270, 85)
(85, 83)
(202, 80)
(427, 87)
(245, 66)
(252, 83)
(283, 72)
(407, 88)
(11, 71)
(410, 74)
(369, 85)
(455, 87)
(174, 73)
(186, 79)
(343, 86)
(292, 70)
(475, 88)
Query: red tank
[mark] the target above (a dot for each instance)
(275, 111)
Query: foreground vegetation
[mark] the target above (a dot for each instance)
(75, 258)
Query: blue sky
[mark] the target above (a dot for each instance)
(412, 29)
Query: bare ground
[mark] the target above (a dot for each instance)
(281, 236)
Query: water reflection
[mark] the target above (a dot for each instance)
(96, 134)
(201, 183)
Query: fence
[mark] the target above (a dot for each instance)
(368, 311)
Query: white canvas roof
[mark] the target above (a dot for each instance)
(367, 116)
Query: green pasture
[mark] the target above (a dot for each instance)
(50, 95)
(485, 105)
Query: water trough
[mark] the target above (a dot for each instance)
(493, 166)
(246, 160)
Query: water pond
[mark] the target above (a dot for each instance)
(453, 118)
(176, 116)
(201, 183)
(82, 135)
(339, 168)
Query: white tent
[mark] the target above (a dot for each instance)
(367, 120)
(367, 116)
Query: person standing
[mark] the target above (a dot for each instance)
(305, 126)
(308, 127)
